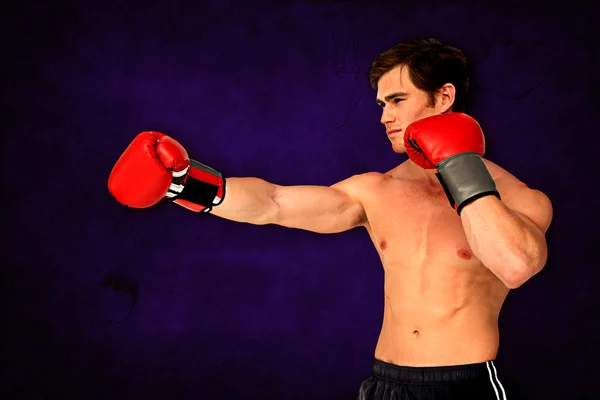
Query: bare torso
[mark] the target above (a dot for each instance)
(441, 304)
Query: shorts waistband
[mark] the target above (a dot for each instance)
(453, 373)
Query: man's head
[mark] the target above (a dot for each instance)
(416, 79)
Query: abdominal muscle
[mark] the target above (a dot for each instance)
(437, 315)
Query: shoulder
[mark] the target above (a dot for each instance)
(363, 185)
(519, 197)
(369, 182)
(506, 182)
(497, 171)
(357, 182)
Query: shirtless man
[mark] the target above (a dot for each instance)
(454, 232)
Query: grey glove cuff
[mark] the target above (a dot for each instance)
(465, 178)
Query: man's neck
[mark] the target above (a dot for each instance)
(421, 173)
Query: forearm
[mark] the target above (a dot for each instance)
(503, 241)
(249, 200)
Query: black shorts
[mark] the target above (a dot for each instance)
(464, 382)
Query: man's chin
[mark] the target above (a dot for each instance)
(399, 149)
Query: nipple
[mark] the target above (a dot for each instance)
(383, 245)
(465, 254)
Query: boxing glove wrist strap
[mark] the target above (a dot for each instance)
(198, 188)
(465, 178)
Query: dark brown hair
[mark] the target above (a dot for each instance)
(431, 64)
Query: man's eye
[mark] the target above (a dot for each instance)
(396, 101)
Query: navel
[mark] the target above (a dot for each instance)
(416, 333)
(462, 253)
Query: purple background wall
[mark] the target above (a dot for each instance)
(278, 91)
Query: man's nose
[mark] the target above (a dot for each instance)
(386, 117)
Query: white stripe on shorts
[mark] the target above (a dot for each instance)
(494, 380)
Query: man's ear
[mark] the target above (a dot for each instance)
(446, 96)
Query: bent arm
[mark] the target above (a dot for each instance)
(320, 209)
(508, 235)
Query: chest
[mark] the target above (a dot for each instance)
(414, 222)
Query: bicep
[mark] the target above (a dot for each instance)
(533, 206)
(320, 209)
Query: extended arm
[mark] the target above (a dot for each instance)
(155, 167)
(321, 209)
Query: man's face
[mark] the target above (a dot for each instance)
(402, 104)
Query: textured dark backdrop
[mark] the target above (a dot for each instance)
(279, 91)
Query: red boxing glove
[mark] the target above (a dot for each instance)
(431, 140)
(155, 166)
(454, 145)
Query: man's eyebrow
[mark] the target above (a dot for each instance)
(393, 95)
